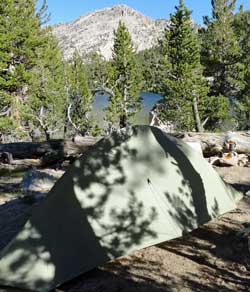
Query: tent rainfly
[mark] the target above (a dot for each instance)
(129, 191)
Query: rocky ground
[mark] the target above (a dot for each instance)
(215, 257)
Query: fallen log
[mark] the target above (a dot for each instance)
(27, 162)
(230, 159)
(9, 169)
(78, 145)
(31, 150)
(211, 144)
(6, 157)
(216, 143)
(58, 148)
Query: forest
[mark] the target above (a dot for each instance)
(201, 71)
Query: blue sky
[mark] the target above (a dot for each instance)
(68, 10)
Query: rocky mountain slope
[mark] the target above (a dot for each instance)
(93, 32)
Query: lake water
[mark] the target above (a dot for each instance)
(142, 117)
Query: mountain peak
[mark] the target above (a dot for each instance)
(93, 32)
(118, 7)
(121, 6)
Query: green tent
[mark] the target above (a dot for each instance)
(129, 191)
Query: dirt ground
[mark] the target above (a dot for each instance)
(212, 258)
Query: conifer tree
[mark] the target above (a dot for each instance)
(45, 106)
(183, 85)
(6, 67)
(27, 36)
(242, 30)
(80, 97)
(21, 36)
(125, 80)
(221, 50)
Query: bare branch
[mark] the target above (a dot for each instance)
(40, 119)
(205, 122)
(104, 89)
(69, 117)
(6, 111)
(107, 90)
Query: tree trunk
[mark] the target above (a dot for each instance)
(47, 135)
(65, 127)
(198, 124)
(123, 121)
(124, 117)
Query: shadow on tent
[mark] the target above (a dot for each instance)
(67, 214)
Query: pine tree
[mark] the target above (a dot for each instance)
(221, 50)
(80, 97)
(6, 68)
(21, 36)
(125, 80)
(45, 106)
(183, 85)
(242, 105)
(27, 36)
